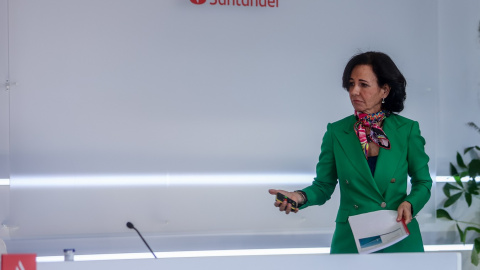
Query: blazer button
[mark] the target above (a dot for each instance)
(346, 182)
(393, 180)
(355, 206)
(383, 204)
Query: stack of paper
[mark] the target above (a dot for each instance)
(377, 230)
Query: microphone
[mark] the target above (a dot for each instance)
(130, 226)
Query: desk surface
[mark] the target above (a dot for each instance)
(393, 261)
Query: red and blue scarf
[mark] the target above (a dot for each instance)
(376, 135)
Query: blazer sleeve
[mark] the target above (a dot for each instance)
(326, 178)
(418, 170)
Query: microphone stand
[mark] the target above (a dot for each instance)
(130, 226)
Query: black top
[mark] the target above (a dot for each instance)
(372, 163)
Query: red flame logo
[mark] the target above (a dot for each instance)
(198, 2)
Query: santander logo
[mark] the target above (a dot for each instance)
(239, 3)
(20, 266)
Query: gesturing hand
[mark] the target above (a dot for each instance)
(284, 206)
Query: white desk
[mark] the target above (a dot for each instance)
(397, 261)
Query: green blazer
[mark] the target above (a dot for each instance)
(342, 161)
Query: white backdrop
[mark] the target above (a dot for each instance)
(142, 87)
(4, 97)
(138, 110)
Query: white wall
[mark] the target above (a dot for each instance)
(170, 87)
(459, 77)
(190, 102)
(4, 95)
(4, 116)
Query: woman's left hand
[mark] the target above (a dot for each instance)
(405, 212)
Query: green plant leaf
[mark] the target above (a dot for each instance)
(474, 154)
(472, 125)
(453, 170)
(462, 234)
(475, 251)
(468, 149)
(474, 168)
(452, 199)
(458, 179)
(472, 187)
(478, 148)
(471, 228)
(441, 213)
(447, 187)
(446, 191)
(474, 257)
(468, 198)
(460, 162)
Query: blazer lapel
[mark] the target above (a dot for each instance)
(388, 159)
(350, 144)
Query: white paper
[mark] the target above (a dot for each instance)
(377, 230)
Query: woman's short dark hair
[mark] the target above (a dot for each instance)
(386, 72)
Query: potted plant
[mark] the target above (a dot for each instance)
(470, 191)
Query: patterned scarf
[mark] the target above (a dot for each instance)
(376, 133)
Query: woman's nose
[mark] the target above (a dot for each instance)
(354, 90)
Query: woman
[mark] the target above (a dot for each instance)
(370, 155)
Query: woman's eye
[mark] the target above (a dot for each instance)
(364, 85)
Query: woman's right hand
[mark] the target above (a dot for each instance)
(284, 206)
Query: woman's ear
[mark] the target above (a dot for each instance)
(386, 90)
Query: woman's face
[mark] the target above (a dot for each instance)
(365, 93)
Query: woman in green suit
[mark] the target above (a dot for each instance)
(370, 154)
